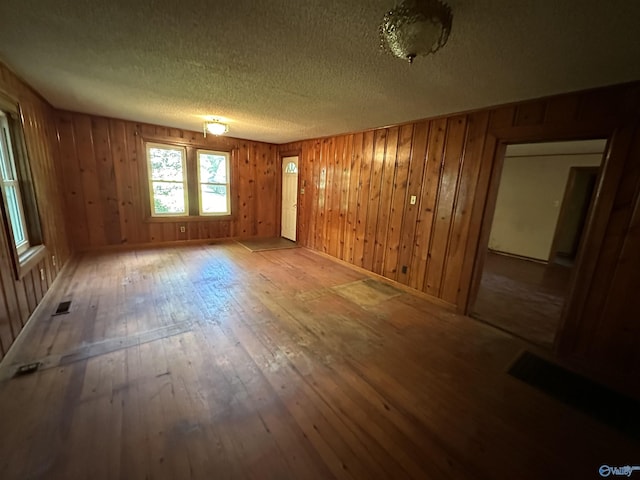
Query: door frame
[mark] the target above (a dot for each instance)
(281, 155)
(568, 190)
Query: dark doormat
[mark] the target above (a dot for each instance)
(608, 406)
(262, 244)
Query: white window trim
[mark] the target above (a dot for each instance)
(185, 186)
(227, 157)
(10, 168)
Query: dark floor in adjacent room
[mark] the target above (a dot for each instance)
(522, 297)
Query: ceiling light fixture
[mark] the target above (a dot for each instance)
(215, 127)
(415, 27)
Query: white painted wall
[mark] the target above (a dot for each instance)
(530, 196)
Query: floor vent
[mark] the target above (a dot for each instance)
(27, 368)
(614, 409)
(63, 307)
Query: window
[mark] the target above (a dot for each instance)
(213, 180)
(184, 180)
(11, 188)
(18, 206)
(167, 180)
(291, 168)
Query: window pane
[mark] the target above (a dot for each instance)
(166, 164)
(168, 198)
(5, 159)
(14, 215)
(291, 168)
(213, 198)
(213, 168)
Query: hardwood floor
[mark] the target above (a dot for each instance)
(214, 362)
(522, 297)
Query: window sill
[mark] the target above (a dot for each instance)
(29, 259)
(188, 218)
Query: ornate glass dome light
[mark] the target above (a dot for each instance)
(415, 27)
(215, 127)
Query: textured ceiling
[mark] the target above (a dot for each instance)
(282, 70)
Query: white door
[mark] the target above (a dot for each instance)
(289, 197)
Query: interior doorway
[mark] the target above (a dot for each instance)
(289, 197)
(544, 195)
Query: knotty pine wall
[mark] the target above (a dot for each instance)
(103, 185)
(18, 299)
(356, 207)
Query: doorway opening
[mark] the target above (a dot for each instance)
(289, 221)
(543, 199)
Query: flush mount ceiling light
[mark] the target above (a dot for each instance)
(215, 127)
(415, 27)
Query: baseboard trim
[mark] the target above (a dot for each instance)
(519, 257)
(7, 361)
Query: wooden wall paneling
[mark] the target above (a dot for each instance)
(266, 181)
(305, 169)
(252, 199)
(377, 165)
(202, 230)
(363, 199)
(334, 184)
(55, 232)
(386, 194)
(169, 232)
(315, 193)
(320, 218)
(74, 191)
(244, 192)
(328, 155)
(562, 110)
(107, 179)
(263, 197)
(398, 201)
(471, 163)
(427, 202)
(331, 201)
(346, 165)
(156, 232)
(54, 224)
(37, 282)
(354, 191)
(137, 230)
(15, 310)
(450, 175)
(338, 210)
(89, 179)
(124, 199)
(501, 117)
(530, 113)
(6, 336)
(27, 286)
(414, 187)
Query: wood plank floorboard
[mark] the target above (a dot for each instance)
(208, 362)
